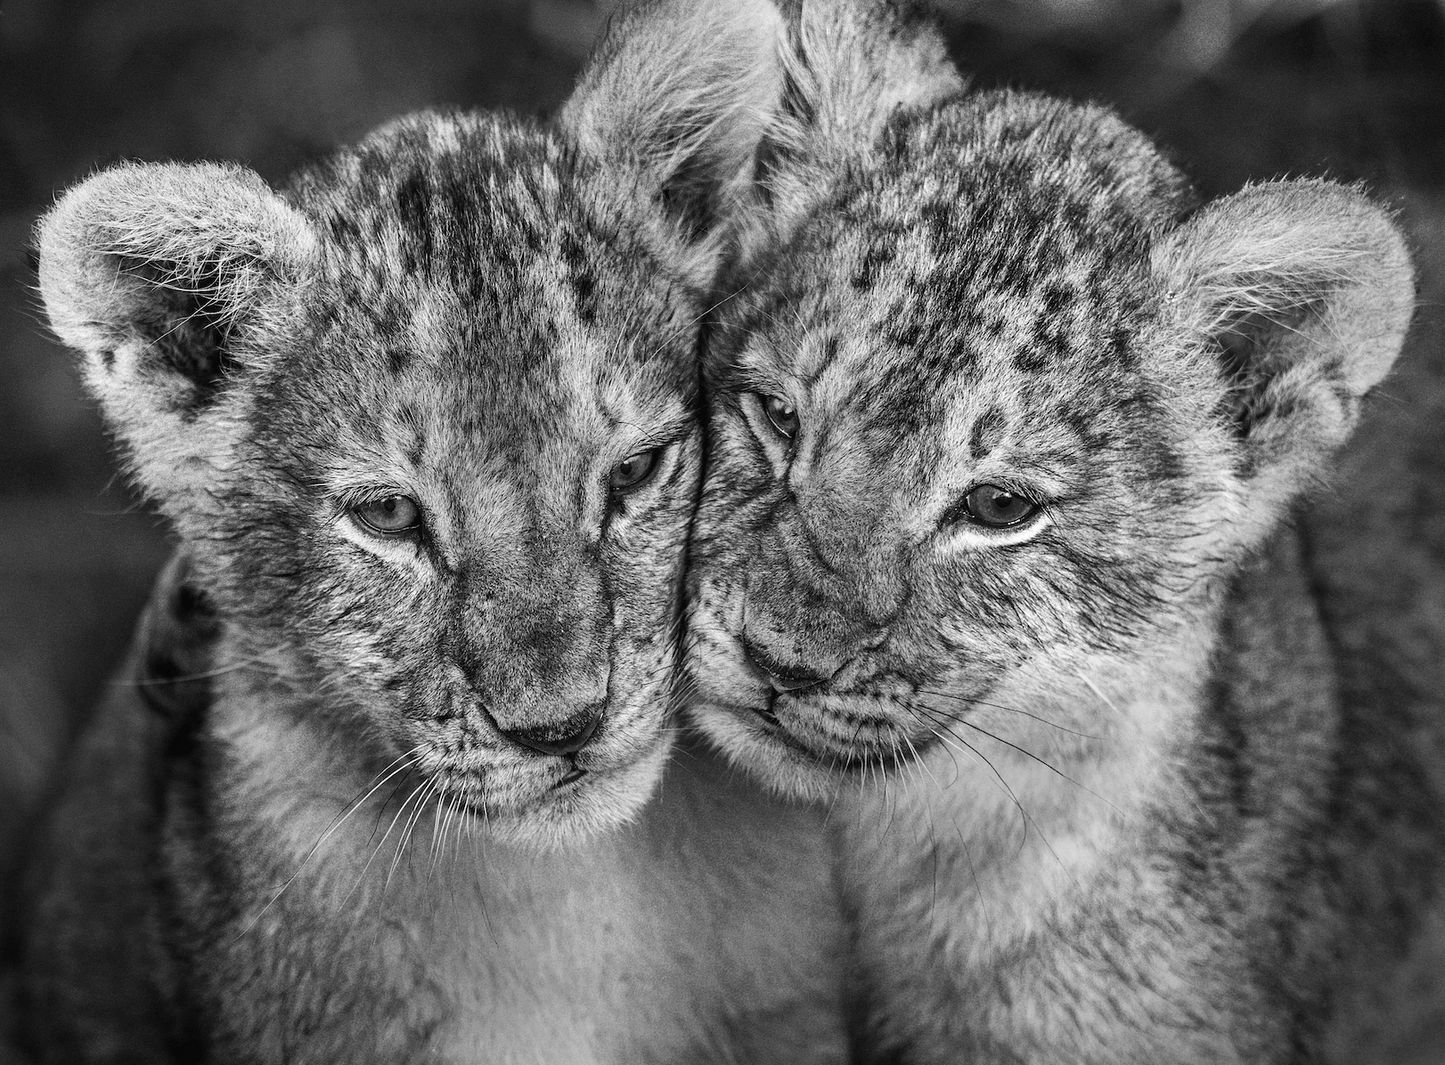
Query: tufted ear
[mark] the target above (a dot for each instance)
(1303, 291)
(148, 271)
(850, 66)
(853, 63)
(680, 91)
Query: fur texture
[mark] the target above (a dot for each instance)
(425, 424)
(994, 551)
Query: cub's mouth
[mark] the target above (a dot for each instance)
(572, 776)
(534, 798)
(773, 728)
(796, 731)
(849, 742)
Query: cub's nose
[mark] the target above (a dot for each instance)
(564, 737)
(782, 676)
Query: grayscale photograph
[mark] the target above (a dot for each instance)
(722, 532)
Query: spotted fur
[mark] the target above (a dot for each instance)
(1082, 760)
(492, 320)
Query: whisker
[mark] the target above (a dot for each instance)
(400, 764)
(1028, 819)
(948, 738)
(970, 701)
(1047, 765)
(460, 819)
(1102, 697)
(428, 791)
(439, 828)
(919, 767)
(973, 874)
(257, 660)
(693, 321)
(441, 824)
(361, 877)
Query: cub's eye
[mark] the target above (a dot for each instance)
(634, 471)
(782, 415)
(391, 516)
(998, 508)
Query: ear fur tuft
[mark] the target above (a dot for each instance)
(146, 270)
(1304, 290)
(852, 65)
(1288, 248)
(680, 91)
(125, 232)
(849, 67)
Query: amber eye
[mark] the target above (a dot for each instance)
(998, 508)
(783, 416)
(390, 516)
(634, 471)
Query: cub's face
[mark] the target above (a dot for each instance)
(427, 420)
(429, 433)
(942, 474)
(973, 451)
(465, 485)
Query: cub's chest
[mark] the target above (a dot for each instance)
(706, 931)
(675, 940)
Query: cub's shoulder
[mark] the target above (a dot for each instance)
(89, 922)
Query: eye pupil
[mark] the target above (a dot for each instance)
(390, 516)
(782, 415)
(997, 507)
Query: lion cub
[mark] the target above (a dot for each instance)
(424, 423)
(995, 547)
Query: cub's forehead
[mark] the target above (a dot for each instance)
(995, 258)
(500, 221)
(476, 264)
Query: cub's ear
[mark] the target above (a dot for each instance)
(850, 66)
(1303, 292)
(679, 92)
(151, 272)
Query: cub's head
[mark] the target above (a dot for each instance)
(426, 418)
(996, 416)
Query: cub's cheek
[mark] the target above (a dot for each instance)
(713, 666)
(713, 657)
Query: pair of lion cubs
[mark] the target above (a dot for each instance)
(1000, 431)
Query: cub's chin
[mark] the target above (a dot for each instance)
(573, 813)
(749, 741)
(551, 804)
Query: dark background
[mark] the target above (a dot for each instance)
(1253, 89)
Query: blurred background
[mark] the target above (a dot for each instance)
(1233, 89)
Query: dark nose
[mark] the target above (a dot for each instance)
(561, 738)
(783, 677)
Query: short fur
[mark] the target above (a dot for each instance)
(489, 317)
(1088, 767)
